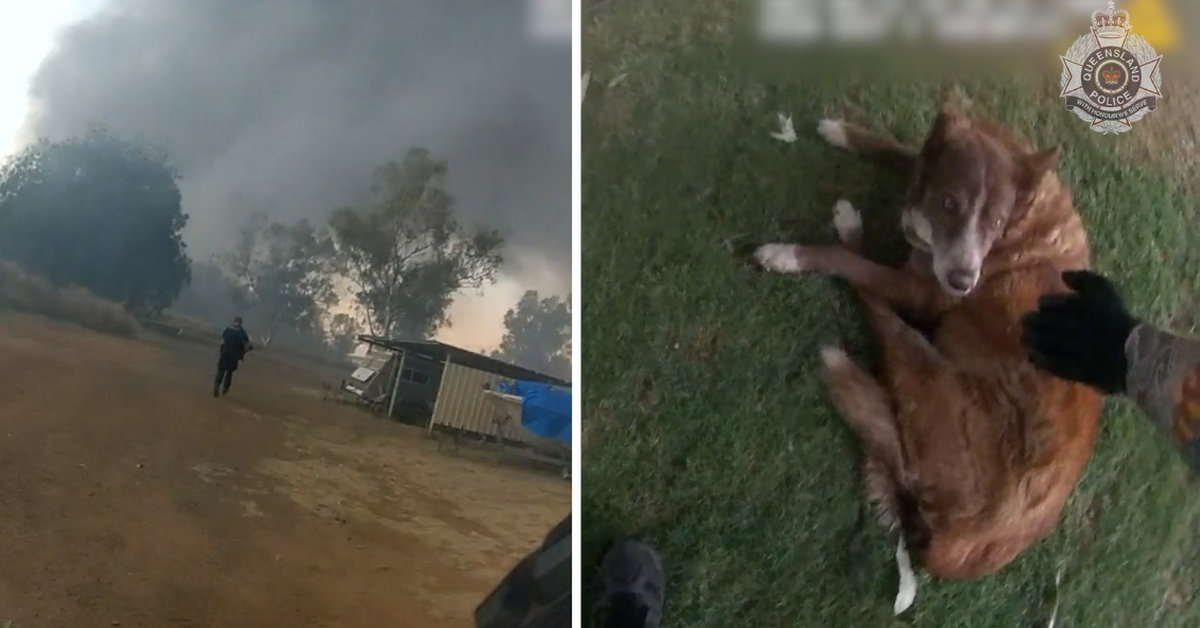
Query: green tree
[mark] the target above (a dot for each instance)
(286, 272)
(405, 253)
(99, 212)
(538, 335)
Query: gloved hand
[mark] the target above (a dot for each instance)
(1080, 336)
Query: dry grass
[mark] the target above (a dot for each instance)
(28, 293)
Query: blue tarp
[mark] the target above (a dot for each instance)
(545, 409)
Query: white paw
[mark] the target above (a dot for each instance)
(834, 132)
(781, 258)
(847, 221)
(834, 357)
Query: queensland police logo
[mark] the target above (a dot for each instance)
(1110, 76)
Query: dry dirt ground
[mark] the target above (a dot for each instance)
(130, 496)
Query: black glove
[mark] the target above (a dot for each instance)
(1080, 336)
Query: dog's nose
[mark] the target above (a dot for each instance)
(961, 280)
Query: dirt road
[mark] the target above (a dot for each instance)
(130, 496)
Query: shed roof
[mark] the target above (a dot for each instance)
(439, 351)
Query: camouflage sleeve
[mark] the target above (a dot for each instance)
(537, 592)
(1164, 380)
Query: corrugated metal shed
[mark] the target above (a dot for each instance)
(461, 404)
(440, 351)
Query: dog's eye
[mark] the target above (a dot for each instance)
(998, 222)
(948, 203)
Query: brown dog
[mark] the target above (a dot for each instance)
(969, 449)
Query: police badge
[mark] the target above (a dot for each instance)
(1110, 76)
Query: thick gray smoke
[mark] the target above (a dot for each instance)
(287, 106)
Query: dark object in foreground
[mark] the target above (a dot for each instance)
(1080, 336)
(630, 587)
(537, 592)
(1088, 336)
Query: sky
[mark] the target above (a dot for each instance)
(27, 36)
(287, 107)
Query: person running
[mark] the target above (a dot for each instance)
(1088, 336)
(235, 344)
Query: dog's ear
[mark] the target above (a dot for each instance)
(1031, 169)
(1043, 161)
(950, 123)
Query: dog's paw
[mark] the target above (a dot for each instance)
(834, 357)
(834, 132)
(848, 222)
(781, 258)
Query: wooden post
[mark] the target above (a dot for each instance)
(441, 389)
(396, 383)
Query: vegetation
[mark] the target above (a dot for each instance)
(24, 292)
(538, 335)
(105, 214)
(283, 276)
(405, 253)
(97, 212)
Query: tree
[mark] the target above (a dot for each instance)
(98, 212)
(404, 252)
(343, 334)
(286, 272)
(538, 335)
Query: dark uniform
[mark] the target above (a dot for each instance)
(235, 342)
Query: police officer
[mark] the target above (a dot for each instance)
(235, 344)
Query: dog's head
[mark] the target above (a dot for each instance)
(969, 187)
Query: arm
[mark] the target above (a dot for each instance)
(1088, 336)
(1164, 380)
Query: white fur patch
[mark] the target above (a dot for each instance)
(834, 132)
(916, 229)
(907, 591)
(847, 221)
(780, 258)
(787, 132)
(834, 357)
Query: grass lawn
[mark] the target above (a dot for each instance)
(706, 428)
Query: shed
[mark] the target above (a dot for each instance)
(442, 386)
